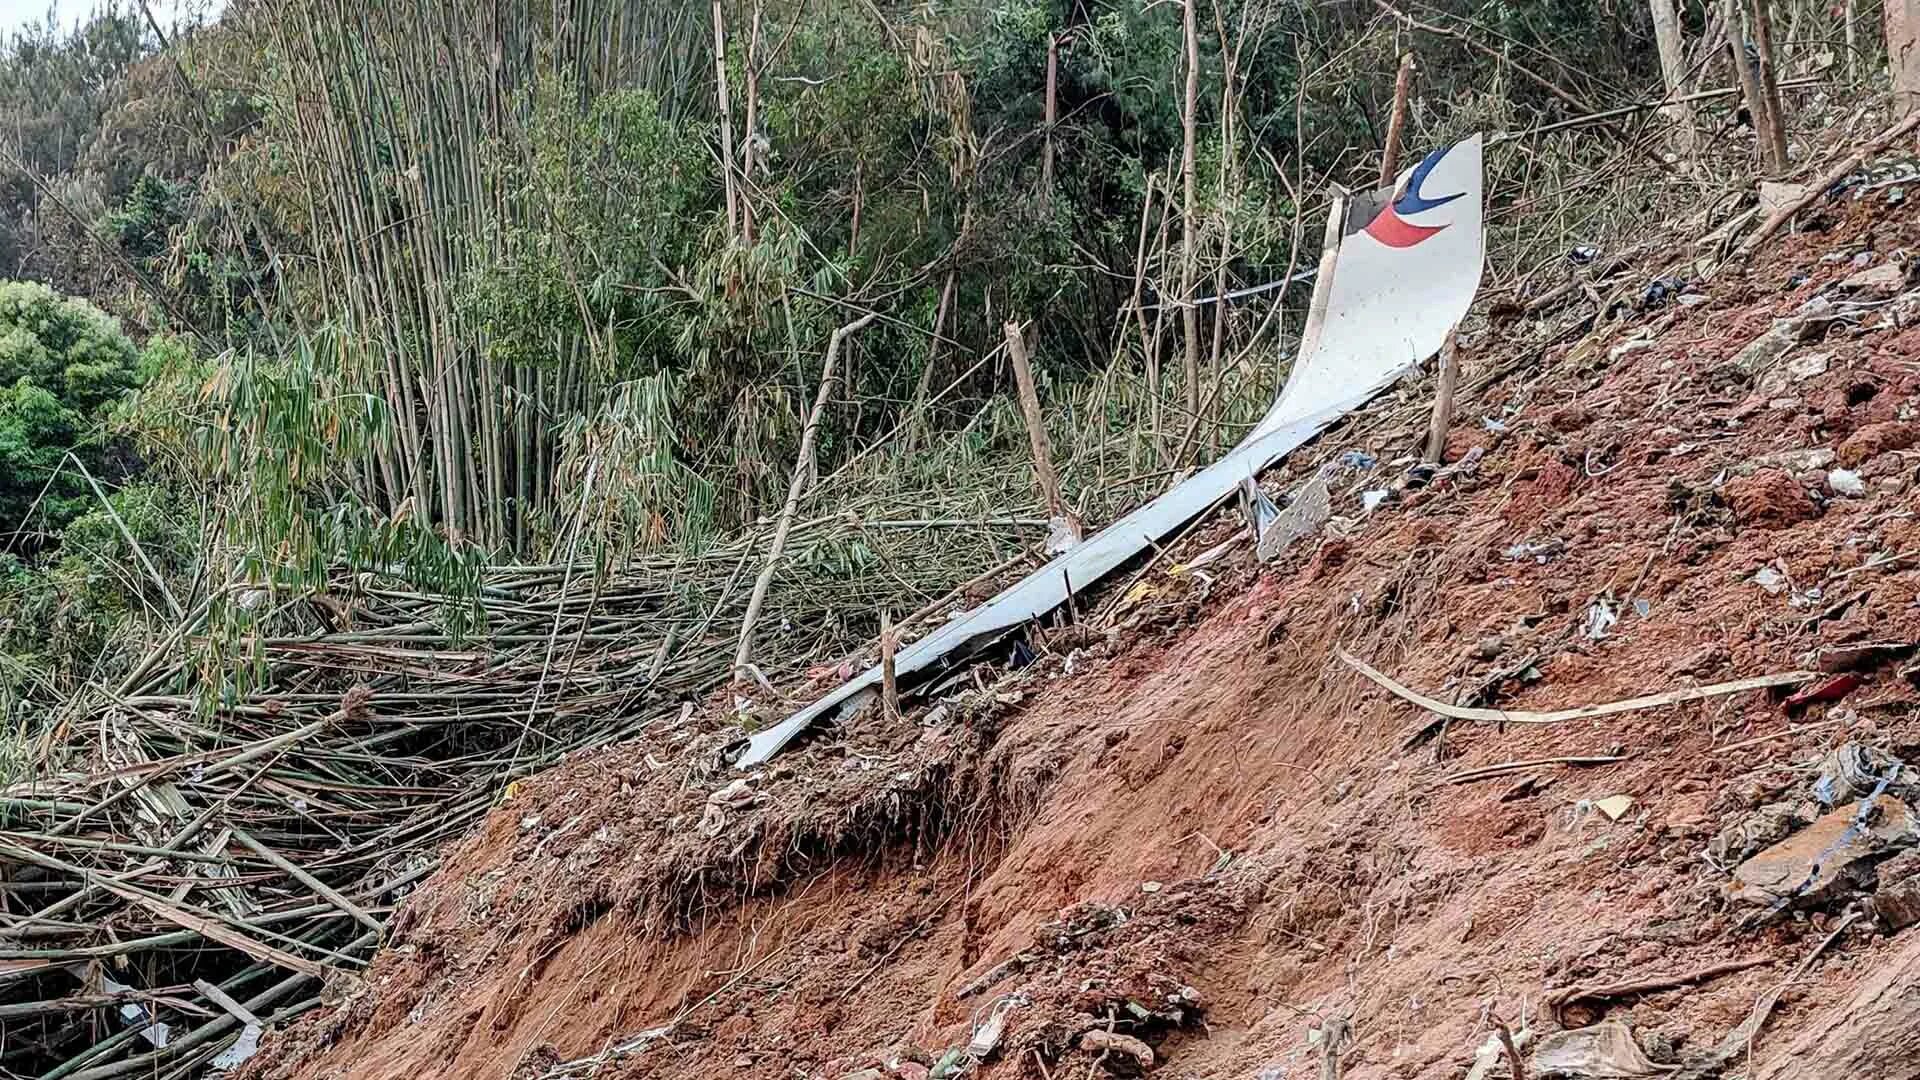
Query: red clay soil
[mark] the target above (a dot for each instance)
(1203, 829)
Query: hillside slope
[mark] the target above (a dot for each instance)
(1190, 828)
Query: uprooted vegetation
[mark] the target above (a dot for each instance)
(383, 722)
(1187, 838)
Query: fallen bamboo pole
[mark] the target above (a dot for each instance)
(743, 652)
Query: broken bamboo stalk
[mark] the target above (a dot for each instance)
(1396, 121)
(743, 653)
(1051, 119)
(726, 120)
(318, 887)
(1583, 712)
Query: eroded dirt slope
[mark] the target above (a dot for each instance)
(1202, 831)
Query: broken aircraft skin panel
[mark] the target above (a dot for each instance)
(1398, 273)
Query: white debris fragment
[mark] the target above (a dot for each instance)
(1846, 482)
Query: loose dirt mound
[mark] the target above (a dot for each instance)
(1203, 832)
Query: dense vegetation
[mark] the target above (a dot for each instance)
(431, 285)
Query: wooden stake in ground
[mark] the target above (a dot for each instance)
(1903, 54)
(1397, 122)
(889, 683)
(1043, 474)
(726, 118)
(1673, 72)
(1443, 397)
(743, 653)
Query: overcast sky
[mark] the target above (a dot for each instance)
(16, 13)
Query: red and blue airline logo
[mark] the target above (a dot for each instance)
(1391, 226)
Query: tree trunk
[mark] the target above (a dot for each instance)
(1850, 14)
(1776, 129)
(1673, 71)
(1743, 67)
(1903, 54)
(1189, 232)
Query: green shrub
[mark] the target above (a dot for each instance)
(63, 362)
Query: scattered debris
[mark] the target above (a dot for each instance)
(1606, 1051)
(1614, 806)
(1302, 517)
(1766, 826)
(1829, 854)
(1105, 1043)
(1846, 482)
(1832, 689)
(1853, 771)
(986, 1037)
(1879, 282)
(1600, 619)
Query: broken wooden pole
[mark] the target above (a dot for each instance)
(1044, 476)
(1396, 121)
(743, 653)
(1443, 398)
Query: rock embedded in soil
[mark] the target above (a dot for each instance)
(1768, 499)
(1873, 440)
(1896, 901)
(1811, 865)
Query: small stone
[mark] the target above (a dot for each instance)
(1772, 581)
(1151, 886)
(1896, 902)
(1872, 440)
(1846, 482)
(1768, 499)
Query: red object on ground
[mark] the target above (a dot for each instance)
(1831, 690)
